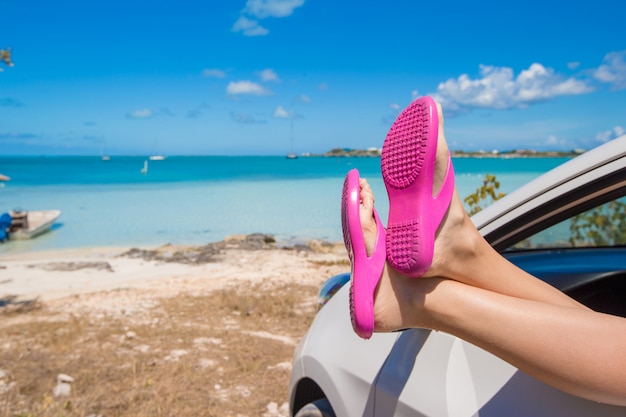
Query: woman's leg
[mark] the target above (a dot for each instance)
(578, 351)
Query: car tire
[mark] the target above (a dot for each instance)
(318, 408)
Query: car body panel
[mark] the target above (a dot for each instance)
(423, 373)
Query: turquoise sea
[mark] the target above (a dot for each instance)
(196, 200)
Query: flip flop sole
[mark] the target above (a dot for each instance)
(366, 270)
(348, 199)
(408, 164)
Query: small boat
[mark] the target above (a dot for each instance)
(105, 157)
(155, 155)
(29, 224)
(291, 154)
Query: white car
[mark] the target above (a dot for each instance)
(567, 227)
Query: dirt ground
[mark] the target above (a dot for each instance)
(176, 331)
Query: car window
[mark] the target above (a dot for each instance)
(601, 226)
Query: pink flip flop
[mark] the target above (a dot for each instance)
(366, 270)
(408, 166)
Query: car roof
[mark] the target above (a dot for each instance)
(588, 172)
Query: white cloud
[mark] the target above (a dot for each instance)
(282, 113)
(214, 72)
(608, 135)
(499, 89)
(140, 114)
(269, 75)
(246, 87)
(271, 8)
(261, 9)
(394, 106)
(249, 27)
(554, 142)
(322, 86)
(613, 70)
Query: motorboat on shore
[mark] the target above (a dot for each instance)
(22, 224)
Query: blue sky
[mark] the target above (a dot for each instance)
(240, 77)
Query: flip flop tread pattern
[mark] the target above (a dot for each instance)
(404, 238)
(405, 146)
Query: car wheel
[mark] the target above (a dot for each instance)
(318, 408)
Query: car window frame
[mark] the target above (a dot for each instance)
(563, 206)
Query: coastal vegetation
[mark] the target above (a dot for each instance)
(517, 153)
(347, 152)
(484, 195)
(5, 57)
(514, 153)
(601, 226)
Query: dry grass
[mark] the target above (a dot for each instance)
(223, 354)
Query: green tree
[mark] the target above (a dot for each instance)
(484, 195)
(602, 226)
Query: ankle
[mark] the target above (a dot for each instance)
(459, 245)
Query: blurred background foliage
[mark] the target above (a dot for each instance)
(5, 58)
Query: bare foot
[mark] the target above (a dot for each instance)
(456, 238)
(366, 214)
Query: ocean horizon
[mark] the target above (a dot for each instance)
(200, 199)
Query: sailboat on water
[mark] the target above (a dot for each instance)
(291, 154)
(104, 156)
(156, 156)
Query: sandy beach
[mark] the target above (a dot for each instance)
(166, 270)
(81, 313)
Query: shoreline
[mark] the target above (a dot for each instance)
(376, 153)
(55, 274)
